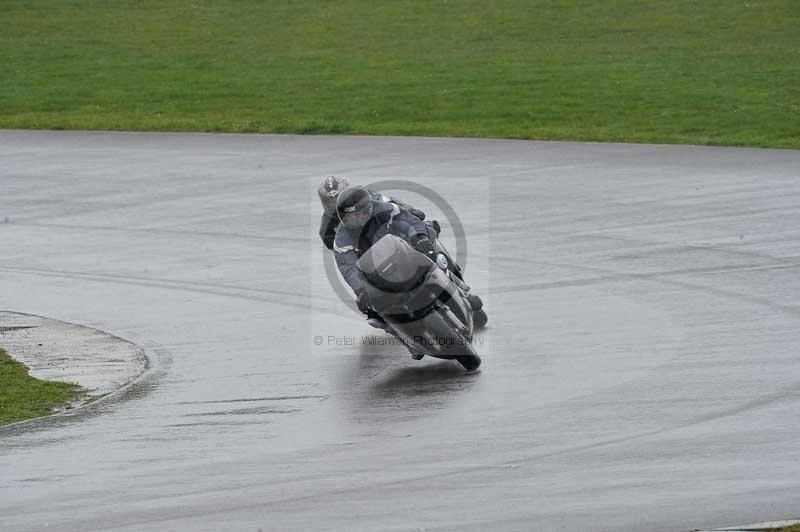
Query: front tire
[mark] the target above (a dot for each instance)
(470, 362)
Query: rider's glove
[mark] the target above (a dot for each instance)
(424, 245)
(362, 300)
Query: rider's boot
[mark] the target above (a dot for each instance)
(374, 319)
(415, 354)
(475, 302)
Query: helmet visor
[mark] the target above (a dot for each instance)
(358, 216)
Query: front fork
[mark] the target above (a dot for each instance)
(457, 324)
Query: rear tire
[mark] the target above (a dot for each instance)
(479, 319)
(470, 362)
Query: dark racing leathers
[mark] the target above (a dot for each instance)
(387, 218)
(328, 224)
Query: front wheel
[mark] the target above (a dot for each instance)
(470, 362)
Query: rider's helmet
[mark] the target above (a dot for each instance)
(354, 206)
(329, 190)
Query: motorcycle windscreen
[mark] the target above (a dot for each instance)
(392, 265)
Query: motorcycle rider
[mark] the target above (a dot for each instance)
(364, 221)
(329, 190)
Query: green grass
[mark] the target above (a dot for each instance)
(23, 397)
(685, 71)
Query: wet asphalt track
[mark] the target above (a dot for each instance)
(640, 370)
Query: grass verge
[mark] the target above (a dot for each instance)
(710, 72)
(23, 397)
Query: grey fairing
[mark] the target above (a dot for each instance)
(434, 308)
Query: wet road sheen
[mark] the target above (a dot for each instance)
(640, 368)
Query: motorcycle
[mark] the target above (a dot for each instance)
(425, 302)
